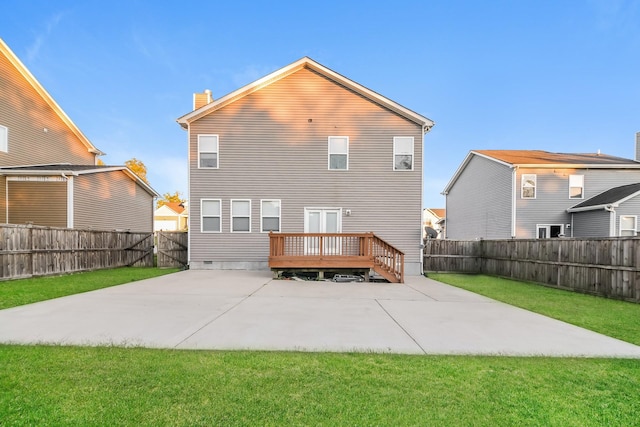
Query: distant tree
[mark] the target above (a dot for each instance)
(138, 168)
(170, 197)
(100, 162)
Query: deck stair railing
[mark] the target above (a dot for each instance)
(336, 250)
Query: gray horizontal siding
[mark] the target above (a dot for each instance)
(590, 224)
(273, 145)
(479, 203)
(630, 207)
(552, 198)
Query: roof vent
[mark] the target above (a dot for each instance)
(202, 99)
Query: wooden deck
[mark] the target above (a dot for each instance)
(336, 250)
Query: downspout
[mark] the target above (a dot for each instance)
(612, 220)
(69, 180)
(514, 189)
(425, 130)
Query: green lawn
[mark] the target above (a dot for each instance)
(26, 291)
(618, 319)
(140, 387)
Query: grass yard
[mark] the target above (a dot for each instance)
(27, 291)
(618, 319)
(140, 387)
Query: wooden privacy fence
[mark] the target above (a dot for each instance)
(27, 251)
(608, 267)
(172, 248)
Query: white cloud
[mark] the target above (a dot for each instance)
(34, 49)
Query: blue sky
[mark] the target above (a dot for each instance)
(560, 76)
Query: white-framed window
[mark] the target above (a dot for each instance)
(269, 215)
(528, 185)
(240, 216)
(546, 231)
(628, 225)
(402, 153)
(4, 139)
(576, 186)
(338, 153)
(211, 215)
(208, 152)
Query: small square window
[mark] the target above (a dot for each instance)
(403, 153)
(208, 151)
(628, 225)
(338, 152)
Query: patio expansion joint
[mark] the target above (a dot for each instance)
(401, 327)
(178, 344)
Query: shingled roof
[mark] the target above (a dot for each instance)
(539, 157)
(612, 197)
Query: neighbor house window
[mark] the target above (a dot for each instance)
(4, 139)
(576, 186)
(208, 151)
(546, 231)
(403, 153)
(628, 225)
(211, 211)
(528, 186)
(269, 215)
(241, 216)
(338, 152)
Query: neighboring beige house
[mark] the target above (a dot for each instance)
(433, 223)
(48, 171)
(302, 150)
(171, 216)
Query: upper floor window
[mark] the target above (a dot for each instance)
(208, 151)
(628, 225)
(269, 215)
(528, 186)
(576, 186)
(4, 139)
(241, 216)
(211, 211)
(338, 152)
(403, 153)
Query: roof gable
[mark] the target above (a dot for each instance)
(612, 197)
(308, 63)
(26, 74)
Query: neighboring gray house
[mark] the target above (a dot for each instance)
(500, 194)
(302, 150)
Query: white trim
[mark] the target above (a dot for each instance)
(239, 216)
(329, 153)
(535, 185)
(70, 211)
(202, 216)
(413, 153)
(4, 139)
(279, 212)
(514, 201)
(217, 151)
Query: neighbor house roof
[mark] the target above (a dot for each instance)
(73, 170)
(544, 159)
(292, 68)
(175, 206)
(13, 59)
(439, 212)
(610, 198)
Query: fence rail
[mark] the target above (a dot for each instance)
(27, 251)
(607, 267)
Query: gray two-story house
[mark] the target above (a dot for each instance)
(304, 151)
(500, 194)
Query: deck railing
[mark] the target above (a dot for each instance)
(336, 250)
